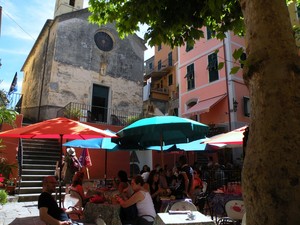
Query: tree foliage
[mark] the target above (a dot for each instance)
(7, 115)
(170, 22)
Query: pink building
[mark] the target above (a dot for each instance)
(206, 94)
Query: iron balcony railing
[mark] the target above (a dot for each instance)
(97, 114)
(163, 66)
(11, 101)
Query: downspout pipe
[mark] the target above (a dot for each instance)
(43, 75)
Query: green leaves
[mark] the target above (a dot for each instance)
(172, 23)
(7, 115)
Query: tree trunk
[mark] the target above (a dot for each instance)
(271, 169)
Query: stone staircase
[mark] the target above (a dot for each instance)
(39, 160)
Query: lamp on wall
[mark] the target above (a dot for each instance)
(235, 105)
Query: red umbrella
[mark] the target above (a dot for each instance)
(57, 128)
(230, 139)
(85, 160)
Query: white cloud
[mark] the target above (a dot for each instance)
(14, 51)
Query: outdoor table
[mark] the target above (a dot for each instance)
(218, 201)
(108, 212)
(181, 219)
(167, 202)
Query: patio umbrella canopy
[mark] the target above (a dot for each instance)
(231, 139)
(95, 143)
(160, 131)
(57, 128)
(197, 145)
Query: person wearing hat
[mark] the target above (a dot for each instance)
(72, 165)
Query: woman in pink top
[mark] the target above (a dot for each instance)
(141, 198)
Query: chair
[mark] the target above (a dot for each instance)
(183, 205)
(201, 200)
(141, 220)
(235, 210)
(244, 219)
(73, 201)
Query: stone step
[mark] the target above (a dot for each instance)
(41, 152)
(39, 160)
(39, 166)
(30, 183)
(41, 148)
(40, 157)
(33, 177)
(37, 172)
(35, 196)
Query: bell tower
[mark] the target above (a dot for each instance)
(66, 6)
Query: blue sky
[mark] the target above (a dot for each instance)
(22, 21)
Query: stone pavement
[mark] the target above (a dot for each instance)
(20, 213)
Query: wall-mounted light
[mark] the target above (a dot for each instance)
(235, 105)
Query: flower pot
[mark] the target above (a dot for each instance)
(10, 190)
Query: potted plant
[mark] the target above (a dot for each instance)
(6, 168)
(3, 197)
(72, 113)
(10, 186)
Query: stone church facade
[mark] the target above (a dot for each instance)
(76, 62)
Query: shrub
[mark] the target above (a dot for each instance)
(3, 197)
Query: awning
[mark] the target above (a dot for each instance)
(204, 106)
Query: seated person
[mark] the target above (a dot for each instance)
(197, 184)
(123, 186)
(49, 211)
(77, 187)
(141, 198)
(153, 186)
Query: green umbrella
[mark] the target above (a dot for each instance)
(160, 131)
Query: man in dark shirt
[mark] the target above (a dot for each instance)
(185, 177)
(49, 211)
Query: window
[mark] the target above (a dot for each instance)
(159, 65)
(158, 47)
(247, 107)
(72, 3)
(170, 59)
(209, 33)
(190, 77)
(189, 46)
(213, 67)
(170, 79)
(151, 66)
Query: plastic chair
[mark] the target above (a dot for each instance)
(183, 205)
(73, 201)
(235, 210)
(244, 219)
(204, 186)
(201, 201)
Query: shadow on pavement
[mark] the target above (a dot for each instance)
(34, 220)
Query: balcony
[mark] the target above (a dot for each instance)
(97, 114)
(158, 72)
(12, 101)
(160, 94)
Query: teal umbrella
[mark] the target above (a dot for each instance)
(197, 145)
(94, 143)
(160, 131)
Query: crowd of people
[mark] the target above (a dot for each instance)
(142, 195)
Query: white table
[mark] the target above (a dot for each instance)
(181, 219)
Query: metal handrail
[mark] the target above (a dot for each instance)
(98, 114)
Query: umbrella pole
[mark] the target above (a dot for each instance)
(161, 151)
(87, 173)
(60, 166)
(105, 167)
